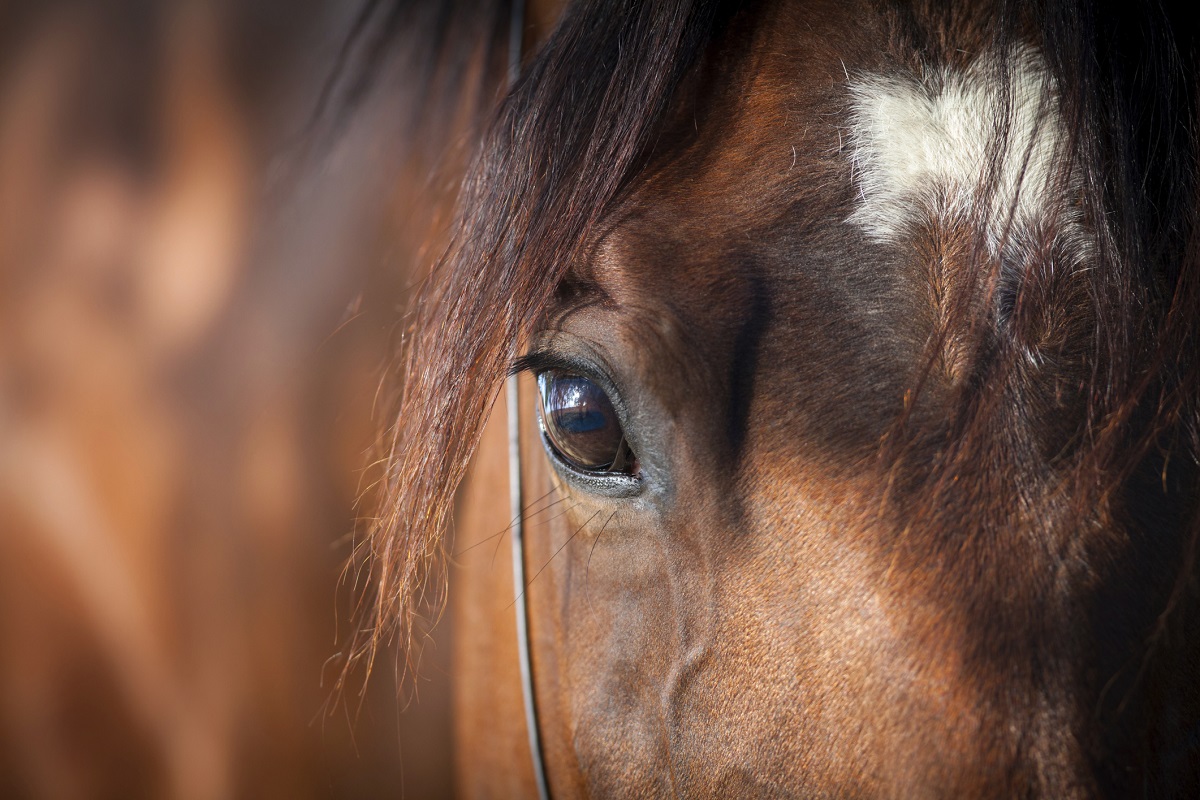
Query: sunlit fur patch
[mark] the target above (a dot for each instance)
(935, 147)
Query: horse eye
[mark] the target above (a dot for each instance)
(581, 424)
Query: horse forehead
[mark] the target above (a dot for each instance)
(765, 142)
(923, 146)
(769, 163)
(883, 157)
(678, 284)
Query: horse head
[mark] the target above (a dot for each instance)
(858, 422)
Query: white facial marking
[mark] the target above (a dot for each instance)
(921, 148)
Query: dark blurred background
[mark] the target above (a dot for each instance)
(202, 270)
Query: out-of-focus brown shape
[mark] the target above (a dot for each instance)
(194, 311)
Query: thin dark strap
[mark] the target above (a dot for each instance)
(516, 33)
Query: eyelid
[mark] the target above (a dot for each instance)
(546, 360)
(540, 361)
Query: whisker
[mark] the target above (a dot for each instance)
(527, 512)
(588, 568)
(481, 542)
(562, 513)
(530, 518)
(561, 548)
(551, 559)
(549, 506)
(513, 522)
(496, 552)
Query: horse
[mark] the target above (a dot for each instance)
(854, 424)
(193, 311)
(848, 437)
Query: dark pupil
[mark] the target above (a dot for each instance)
(580, 420)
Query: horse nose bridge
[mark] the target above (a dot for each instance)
(982, 717)
(1005, 648)
(960, 641)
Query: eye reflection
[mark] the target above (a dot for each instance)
(581, 423)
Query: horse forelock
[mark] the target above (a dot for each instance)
(562, 146)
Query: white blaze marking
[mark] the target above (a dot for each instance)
(921, 149)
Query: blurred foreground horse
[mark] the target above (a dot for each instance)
(198, 286)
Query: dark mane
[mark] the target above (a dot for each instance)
(1126, 86)
(441, 47)
(575, 132)
(563, 145)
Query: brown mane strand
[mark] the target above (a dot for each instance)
(564, 144)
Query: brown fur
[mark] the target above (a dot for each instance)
(910, 529)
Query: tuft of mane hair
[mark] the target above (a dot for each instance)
(562, 148)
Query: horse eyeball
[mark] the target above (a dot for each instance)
(581, 423)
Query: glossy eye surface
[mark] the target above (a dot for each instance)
(581, 424)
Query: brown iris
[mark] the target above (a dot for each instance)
(581, 423)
